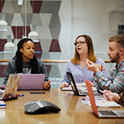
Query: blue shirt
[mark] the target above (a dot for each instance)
(80, 74)
(114, 81)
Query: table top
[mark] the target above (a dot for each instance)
(73, 111)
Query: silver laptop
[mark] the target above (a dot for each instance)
(102, 113)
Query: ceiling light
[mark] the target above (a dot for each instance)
(3, 23)
(33, 34)
(9, 46)
(20, 2)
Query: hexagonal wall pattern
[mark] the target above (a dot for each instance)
(43, 14)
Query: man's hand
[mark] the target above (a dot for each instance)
(94, 67)
(100, 67)
(111, 96)
(91, 66)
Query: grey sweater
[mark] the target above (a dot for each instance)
(11, 69)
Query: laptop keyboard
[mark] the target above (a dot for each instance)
(106, 112)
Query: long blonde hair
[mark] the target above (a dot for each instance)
(91, 55)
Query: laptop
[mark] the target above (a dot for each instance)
(102, 113)
(74, 87)
(31, 82)
(10, 91)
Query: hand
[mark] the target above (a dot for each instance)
(92, 84)
(93, 67)
(106, 94)
(111, 96)
(63, 84)
(46, 85)
(100, 67)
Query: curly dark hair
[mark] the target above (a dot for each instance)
(18, 58)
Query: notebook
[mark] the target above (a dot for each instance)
(31, 82)
(11, 87)
(101, 102)
(74, 87)
(102, 113)
(70, 88)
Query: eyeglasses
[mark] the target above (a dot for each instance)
(80, 43)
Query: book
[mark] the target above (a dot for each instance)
(2, 104)
(3, 107)
(100, 102)
(84, 89)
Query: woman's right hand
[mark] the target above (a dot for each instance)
(63, 84)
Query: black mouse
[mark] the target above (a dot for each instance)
(40, 106)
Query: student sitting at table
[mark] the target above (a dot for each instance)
(77, 66)
(115, 80)
(25, 61)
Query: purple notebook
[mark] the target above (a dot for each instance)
(31, 82)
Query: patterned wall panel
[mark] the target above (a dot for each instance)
(45, 14)
(9, 18)
(2, 42)
(54, 46)
(19, 31)
(36, 6)
(1, 4)
(53, 7)
(48, 69)
(2, 70)
(16, 8)
(20, 16)
(37, 46)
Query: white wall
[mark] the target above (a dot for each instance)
(92, 17)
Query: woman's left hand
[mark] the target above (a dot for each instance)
(46, 85)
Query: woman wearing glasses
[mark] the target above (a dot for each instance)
(77, 66)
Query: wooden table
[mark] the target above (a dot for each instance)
(73, 111)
